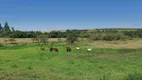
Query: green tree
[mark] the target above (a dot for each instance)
(13, 29)
(43, 39)
(1, 30)
(35, 40)
(53, 34)
(71, 38)
(7, 28)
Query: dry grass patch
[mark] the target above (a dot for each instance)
(29, 40)
(116, 44)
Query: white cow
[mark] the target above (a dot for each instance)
(77, 48)
(89, 49)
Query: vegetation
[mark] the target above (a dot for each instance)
(30, 63)
(71, 38)
(26, 61)
(134, 76)
(96, 34)
(108, 36)
(1, 45)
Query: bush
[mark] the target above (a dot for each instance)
(35, 40)
(108, 36)
(97, 36)
(12, 40)
(43, 39)
(71, 38)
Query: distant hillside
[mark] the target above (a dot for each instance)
(120, 28)
(53, 30)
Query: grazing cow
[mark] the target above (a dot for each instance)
(42, 49)
(54, 49)
(77, 48)
(68, 49)
(50, 49)
(89, 49)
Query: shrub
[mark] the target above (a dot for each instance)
(108, 36)
(71, 38)
(35, 40)
(97, 36)
(43, 38)
(12, 40)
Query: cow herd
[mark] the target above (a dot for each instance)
(68, 49)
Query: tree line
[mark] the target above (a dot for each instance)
(96, 34)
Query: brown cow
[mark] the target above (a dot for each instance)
(54, 49)
(42, 49)
(68, 49)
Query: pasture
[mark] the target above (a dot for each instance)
(108, 60)
(28, 62)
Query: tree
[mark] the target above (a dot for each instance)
(53, 34)
(7, 28)
(16, 34)
(43, 39)
(13, 29)
(35, 40)
(71, 38)
(1, 30)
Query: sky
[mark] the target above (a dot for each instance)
(71, 14)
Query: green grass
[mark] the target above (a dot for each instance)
(27, 62)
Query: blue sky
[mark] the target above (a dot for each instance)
(71, 14)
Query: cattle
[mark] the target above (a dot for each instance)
(68, 49)
(53, 49)
(42, 49)
(77, 48)
(89, 49)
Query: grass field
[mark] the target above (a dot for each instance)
(28, 62)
